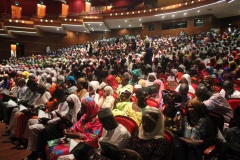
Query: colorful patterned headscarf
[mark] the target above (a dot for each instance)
(89, 125)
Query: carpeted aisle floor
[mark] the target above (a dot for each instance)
(6, 151)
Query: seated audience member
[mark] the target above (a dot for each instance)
(209, 83)
(87, 129)
(136, 73)
(35, 126)
(160, 86)
(186, 79)
(107, 99)
(173, 75)
(230, 149)
(183, 92)
(81, 90)
(171, 112)
(71, 84)
(125, 107)
(228, 90)
(124, 85)
(113, 132)
(150, 143)
(92, 88)
(214, 102)
(197, 132)
(150, 79)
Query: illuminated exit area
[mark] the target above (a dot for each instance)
(17, 50)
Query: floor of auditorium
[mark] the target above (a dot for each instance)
(6, 151)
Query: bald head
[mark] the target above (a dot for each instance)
(183, 89)
(202, 92)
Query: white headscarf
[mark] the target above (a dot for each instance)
(109, 89)
(94, 85)
(76, 108)
(158, 131)
(148, 83)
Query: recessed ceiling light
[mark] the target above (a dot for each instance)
(167, 7)
(22, 21)
(198, 11)
(100, 24)
(70, 19)
(121, 13)
(185, 14)
(140, 24)
(144, 11)
(162, 8)
(57, 28)
(192, 1)
(125, 20)
(162, 16)
(173, 15)
(119, 26)
(156, 9)
(199, 0)
(116, 14)
(10, 20)
(127, 12)
(75, 20)
(186, 3)
(89, 24)
(105, 30)
(46, 20)
(179, 5)
(92, 28)
(129, 25)
(51, 21)
(84, 31)
(64, 19)
(132, 12)
(173, 6)
(150, 10)
(111, 14)
(16, 21)
(140, 19)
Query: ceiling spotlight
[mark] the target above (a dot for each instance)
(57, 28)
(140, 19)
(138, 11)
(105, 30)
(185, 14)
(186, 3)
(51, 21)
(16, 21)
(125, 20)
(156, 9)
(100, 24)
(130, 25)
(162, 16)
(23, 22)
(84, 31)
(127, 12)
(198, 11)
(46, 20)
(173, 15)
(162, 8)
(121, 13)
(89, 24)
(150, 10)
(179, 5)
(116, 14)
(75, 20)
(144, 11)
(132, 12)
(192, 1)
(111, 14)
(10, 20)
(64, 19)
(70, 19)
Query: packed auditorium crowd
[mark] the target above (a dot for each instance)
(164, 84)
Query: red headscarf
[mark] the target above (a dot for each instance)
(89, 125)
(111, 80)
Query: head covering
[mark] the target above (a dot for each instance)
(148, 83)
(158, 131)
(111, 80)
(142, 82)
(25, 73)
(171, 95)
(71, 78)
(197, 105)
(77, 105)
(136, 72)
(106, 112)
(94, 85)
(102, 85)
(108, 89)
(174, 71)
(188, 78)
(160, 89)
(89, 125)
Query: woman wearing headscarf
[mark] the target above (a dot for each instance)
(150, 79)
(92, 88)
(107, 99)
(197, 131)
(234, 68)
(74, 105)
(160, 85)
(125, 107)
(71, 84)
(187, 80)
(173, 75)
(82, 87)
(111, 80)
(86, 129)
(150, 143)
(125, 84)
